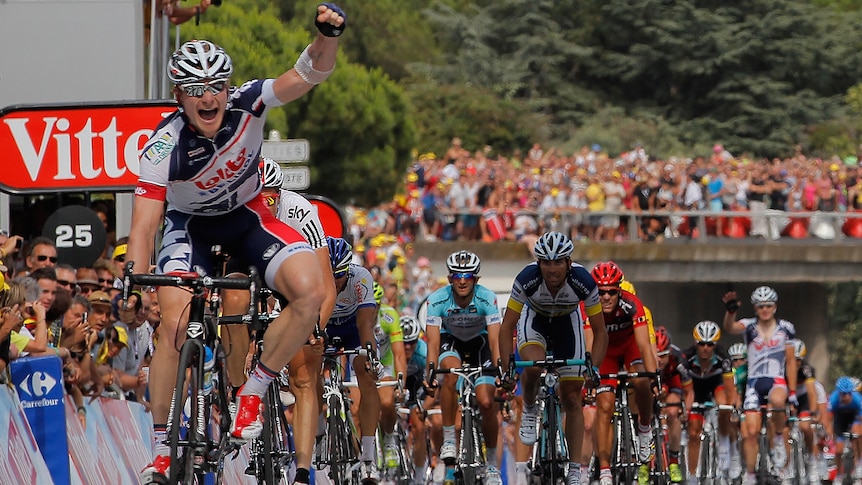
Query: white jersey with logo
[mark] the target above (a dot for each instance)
(358, 293)
(766, 357)
(203, 176)
(297, 212)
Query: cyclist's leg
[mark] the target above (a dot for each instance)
(305, 385)
(777, 401)
(163, 367)
(722, 398)
(695, 426)
(235, 338)
(388, 413)
(417, 436)
(449, 358)
(485, 391)
(750, 426)
(674, 431)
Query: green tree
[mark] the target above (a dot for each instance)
(358, 123)
(845, 299)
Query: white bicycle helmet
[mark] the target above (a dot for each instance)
(553, 245)
(764, 294)
(199, 60)
(409, 328)
(799, 349)
(463, 262)
(271, 174)
(737, 351)
(706, 331)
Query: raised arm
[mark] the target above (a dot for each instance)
(317, 61)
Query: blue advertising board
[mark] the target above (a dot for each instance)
(39, 382)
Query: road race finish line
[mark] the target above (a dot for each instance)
(39, 382)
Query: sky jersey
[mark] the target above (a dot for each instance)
(766, 358)
(297, 212)
(358, 293)
(463, 323)
(529, 289)
(202, 176)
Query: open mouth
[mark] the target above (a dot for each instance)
(207, 114)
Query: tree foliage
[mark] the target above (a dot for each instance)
(845, 299)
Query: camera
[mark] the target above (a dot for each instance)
(19, 244)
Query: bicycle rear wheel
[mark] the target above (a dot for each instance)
(659, 473)
(184, 441)
(271, 448)
(627, 461)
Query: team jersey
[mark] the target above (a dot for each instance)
(463, 323)
(297, 212)
(835, 406)
(740, 378)
(386, 331)
(358, 293)
(530, 289)
(675, 367)
(803, 375)
(202, 176)
(766, 358)
(622, 321)
(417, 363)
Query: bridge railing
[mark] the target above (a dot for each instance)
(770, 225)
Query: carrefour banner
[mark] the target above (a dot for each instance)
(39, 382)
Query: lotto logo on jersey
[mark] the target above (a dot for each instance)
(767, 344)
(221, 174)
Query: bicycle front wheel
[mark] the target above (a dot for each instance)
(271, 447)
(470, 451)
(186, 420)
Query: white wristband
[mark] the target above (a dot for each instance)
(306, 69)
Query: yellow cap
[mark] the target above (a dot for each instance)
(120, 250)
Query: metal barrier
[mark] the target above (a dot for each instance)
(771, 225)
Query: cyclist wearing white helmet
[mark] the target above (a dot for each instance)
(545, 305)
(712, 377)
(202, 162)
(770, 357)
(416, 352)
(463, 320)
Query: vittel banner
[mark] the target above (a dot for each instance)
(61, 148)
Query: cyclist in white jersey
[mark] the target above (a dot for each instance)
(353, 321)
(771, 357)
(545, 304)
(463, 325)
(297, 212)
(202, 161)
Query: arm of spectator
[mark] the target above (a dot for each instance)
(8, 320)
(40, 341)
(128, 382)
(179, 15)
(10, 246)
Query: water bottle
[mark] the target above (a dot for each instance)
(209, 362)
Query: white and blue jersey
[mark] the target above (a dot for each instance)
(530, 289)
(766, 356)
(463, 323)
(358, 293)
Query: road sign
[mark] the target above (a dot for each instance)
(296, 178)
(286, 151)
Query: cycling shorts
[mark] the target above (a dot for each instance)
(562, 335)
(250, 232)
(757, 391)
(625, 355)
(473, 352)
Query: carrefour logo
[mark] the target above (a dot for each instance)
(37, 384)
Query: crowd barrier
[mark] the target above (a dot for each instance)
(769, 224)
(114, 447)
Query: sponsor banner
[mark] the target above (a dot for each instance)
(127, 437)
(85, 467)
(22, 462)
(105, 447)
(93, 147)
(39, 382)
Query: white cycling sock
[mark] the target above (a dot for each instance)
(368, 447)
(258, 381)
(449, 434)
(491, 459)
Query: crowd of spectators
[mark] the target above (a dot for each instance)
(48, 307)
(591, 195)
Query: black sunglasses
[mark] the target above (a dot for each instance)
(42, 257)
(707, 344)
(609, 292)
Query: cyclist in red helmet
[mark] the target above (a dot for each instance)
(629, 348)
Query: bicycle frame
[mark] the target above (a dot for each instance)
(624, 455)
(471, 456)
(796, 460)
(203, 447)
(550, 453)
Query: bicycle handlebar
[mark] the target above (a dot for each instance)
(183, 280)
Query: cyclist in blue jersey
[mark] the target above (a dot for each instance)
(845, 415)
(463, 325)
(198, 175)
(545, 305)
(353, 321)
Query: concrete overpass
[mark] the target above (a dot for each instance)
(682, 281)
